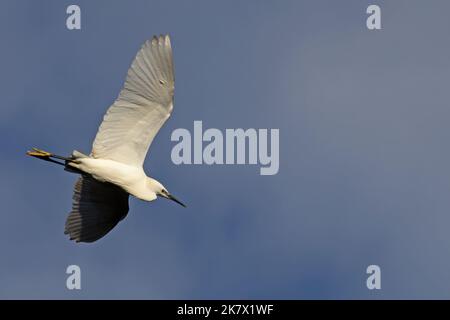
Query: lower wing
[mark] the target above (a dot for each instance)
(97, 208)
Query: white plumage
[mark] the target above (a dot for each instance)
(114, 168)
(143, 105)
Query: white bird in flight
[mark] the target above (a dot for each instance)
(114, 169)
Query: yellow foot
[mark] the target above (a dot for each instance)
(39, 153)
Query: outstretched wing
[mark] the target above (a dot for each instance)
(143, 105)
(97, 208)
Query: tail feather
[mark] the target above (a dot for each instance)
(77, 154)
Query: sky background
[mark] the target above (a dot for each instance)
(364, 150)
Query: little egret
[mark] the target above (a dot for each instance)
(114, 169)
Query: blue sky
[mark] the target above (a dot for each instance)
(364, 153)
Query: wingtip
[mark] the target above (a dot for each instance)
(163, 39)
(167, 40)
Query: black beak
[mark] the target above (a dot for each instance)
(171, 197)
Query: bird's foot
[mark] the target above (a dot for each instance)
(39, 153)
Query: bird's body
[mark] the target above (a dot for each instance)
(131, 179)
(114, 169)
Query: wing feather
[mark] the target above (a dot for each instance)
(143, 106)
(97, 208)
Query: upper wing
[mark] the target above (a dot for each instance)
(97, 208)
(143, 105)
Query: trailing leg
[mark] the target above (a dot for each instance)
(47, 156)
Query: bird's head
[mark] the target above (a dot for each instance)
(161, 191)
